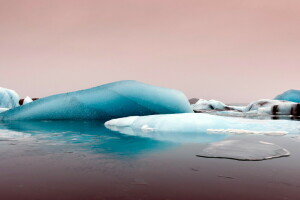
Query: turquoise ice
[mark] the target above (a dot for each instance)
(290, 95)
(109, 101)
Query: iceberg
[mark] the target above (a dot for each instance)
(290, 95)
(109, 101)
(274, 107)
(203, 105)
(8, 98)
(160, 126)
(27, 100)
(243, 150)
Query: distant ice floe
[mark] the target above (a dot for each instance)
(290, 95)
(27, 100)
(263, 107)
(243, 150)
(206, 105)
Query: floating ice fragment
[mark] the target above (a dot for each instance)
(243, 150)
(27, 100)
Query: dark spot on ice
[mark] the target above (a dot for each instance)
(275, 110)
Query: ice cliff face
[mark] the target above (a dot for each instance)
(109, 101)
(8, 98)
(290, 95)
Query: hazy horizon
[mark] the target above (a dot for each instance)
(231, 51)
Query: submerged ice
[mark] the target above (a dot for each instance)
(118, 99)
(243, 150)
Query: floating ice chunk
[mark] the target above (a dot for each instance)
(193, 124)
(274, 107)
(202, 104)
(114, 100)
(290, 95)
(3, 109)
(27, 100)
(241, 131)
(8, 98)
(243, 150)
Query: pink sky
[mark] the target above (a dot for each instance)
(233, 50)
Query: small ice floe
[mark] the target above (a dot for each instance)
(243, 150)
(27, 100)
(242, 131)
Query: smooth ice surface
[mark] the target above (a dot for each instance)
(8, 98)
(118, 99)
(243, 150)
(290, 95)
(179, 127)
(27, 100)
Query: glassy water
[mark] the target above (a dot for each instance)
(84, 160)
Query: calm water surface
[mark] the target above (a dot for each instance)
(84, 160)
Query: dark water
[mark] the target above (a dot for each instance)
(84, 160)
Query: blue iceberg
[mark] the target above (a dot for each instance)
(290, 95)
(109, 101)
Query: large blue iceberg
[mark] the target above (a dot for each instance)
(109, 101)
(290, 95)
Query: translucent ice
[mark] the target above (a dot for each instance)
(8, 98)
(290, 95)
(243, 150)
(196, 123)
(118, 99)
